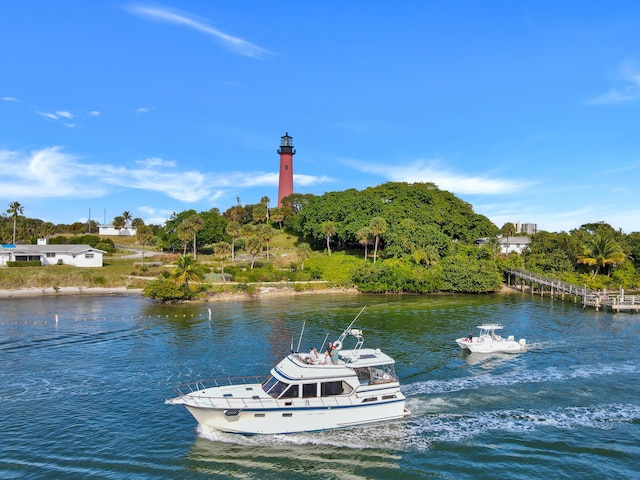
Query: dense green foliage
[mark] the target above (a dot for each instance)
(395, 237)
(434, 210)
(165, 290)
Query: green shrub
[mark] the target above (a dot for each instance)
(166, 291)
(30, 263)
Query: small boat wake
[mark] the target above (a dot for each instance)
(518, 377)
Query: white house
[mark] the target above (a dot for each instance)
(128, 231)
(76, 255)
(508, 244)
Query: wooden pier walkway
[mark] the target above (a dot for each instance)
(542, 284)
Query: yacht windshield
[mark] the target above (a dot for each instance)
(274, 387)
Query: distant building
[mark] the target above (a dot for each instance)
(75, 255)
(508, 244)
(526, 228)
(127, 231)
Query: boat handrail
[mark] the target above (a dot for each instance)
(256, 401)
(197, 385)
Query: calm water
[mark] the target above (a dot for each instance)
(84, 398)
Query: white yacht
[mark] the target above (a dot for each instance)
(488, 341)
(302, 394)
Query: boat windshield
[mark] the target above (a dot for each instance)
(276, 388)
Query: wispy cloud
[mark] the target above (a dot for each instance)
(48, 116)
(421, 171)
(10, 99)
(50, 172)
(142, 111)
(234, 44)
(629, 91)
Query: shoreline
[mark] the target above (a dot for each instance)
(51, 292)
(265, 291)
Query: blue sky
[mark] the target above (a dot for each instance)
(527, 110)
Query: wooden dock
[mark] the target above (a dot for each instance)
(537, 283)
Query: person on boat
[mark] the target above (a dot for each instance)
(470, 338)
(314, 356)
(326, 359)
(329, 349)
(333, 353)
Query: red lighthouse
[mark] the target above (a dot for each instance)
(286, 151)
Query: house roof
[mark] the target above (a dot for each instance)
(40, 249)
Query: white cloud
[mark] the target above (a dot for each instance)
(420, 171)
(10, 99)
(64, 114)
(142, 111)
(156, 162)
(49, 116)
(235, 44)
(94, 113)
(50, 172)
(628, 92)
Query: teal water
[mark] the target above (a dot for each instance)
(84, 397)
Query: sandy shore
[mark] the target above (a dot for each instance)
(265, 291)
(35, 292)
(214, 297)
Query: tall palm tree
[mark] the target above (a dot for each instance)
(184, 234)
(127, 216)
(222, 249)
(266, 201)
(378, 226)
(277, 215)
(328, 228)
(303, 251)
(265, 233)
(15, 209)
(144, 234)
(234, 230)
(601, 251)
(194, 225)
(254, 247)
(364, 237)
(186, 270)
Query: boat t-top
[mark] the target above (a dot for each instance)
(488, 341)
(342, 388)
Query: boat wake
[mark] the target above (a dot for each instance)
(518, 377)
(421, 432)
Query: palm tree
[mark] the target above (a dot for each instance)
(328, 228)
(601, 251)
(304, 252)
(119, 222)
(378, 226)
(15, 209)
(254, 247)
(266, 201)
(277, 215)
(137, 222)
(184, 234)
(364, 237)
(144, 235)
(266, 233)
(222, 249)
(259, 212)
(186, 270)
(234, 230)
(194, 224)
(127, 216)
